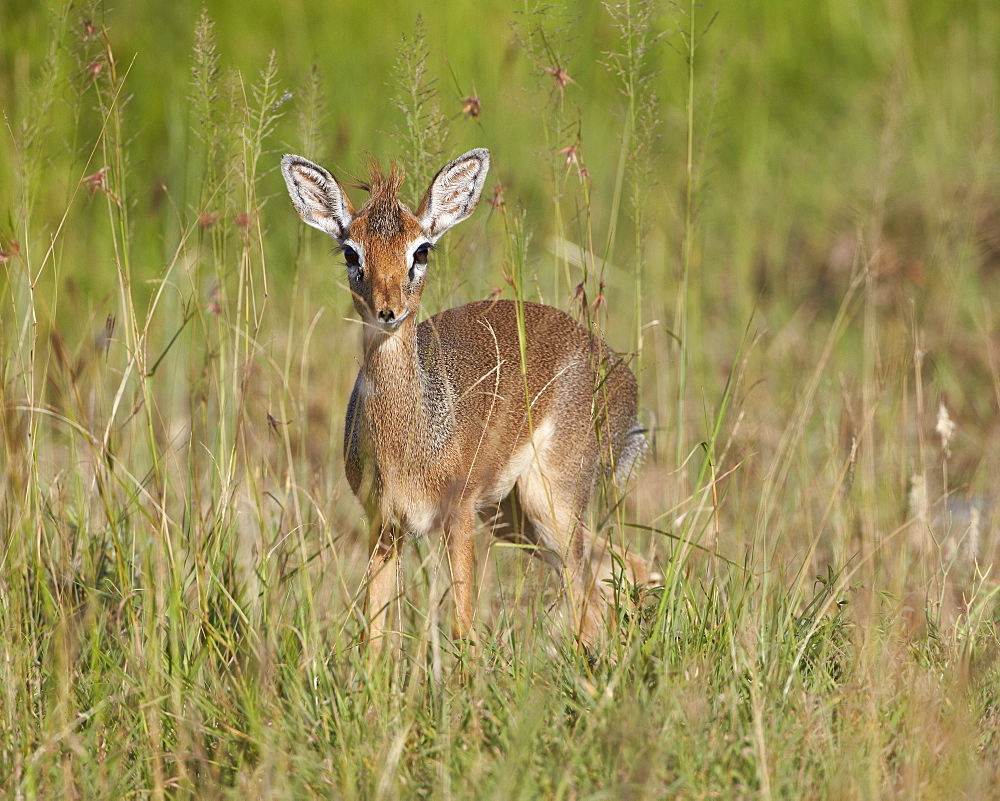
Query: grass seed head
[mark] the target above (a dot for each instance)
(945, 428)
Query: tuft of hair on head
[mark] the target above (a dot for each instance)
(380, 186)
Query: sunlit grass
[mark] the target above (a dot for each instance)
(807, 219)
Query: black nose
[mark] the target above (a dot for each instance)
(387, 315)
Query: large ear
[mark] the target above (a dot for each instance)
(317, 196)
(454, 192)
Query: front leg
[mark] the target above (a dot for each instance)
(461, 559)
(383, 580)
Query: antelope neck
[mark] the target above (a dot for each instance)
(394, 381)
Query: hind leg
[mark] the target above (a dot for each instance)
(553, 515)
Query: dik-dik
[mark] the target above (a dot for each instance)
(447, 419)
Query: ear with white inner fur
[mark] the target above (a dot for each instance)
(317, 196)
(454, 192)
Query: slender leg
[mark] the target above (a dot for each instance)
(382, 579)
(554, 515)
(461, 558)
(586, 600)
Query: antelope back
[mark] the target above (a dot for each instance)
(575, 395)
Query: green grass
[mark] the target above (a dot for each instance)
(789, 216)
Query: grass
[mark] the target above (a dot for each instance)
(789, 216)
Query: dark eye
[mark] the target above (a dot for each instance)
(420, 254)
(351, 257)
(419, 261)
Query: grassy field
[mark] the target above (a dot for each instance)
(788, 213)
